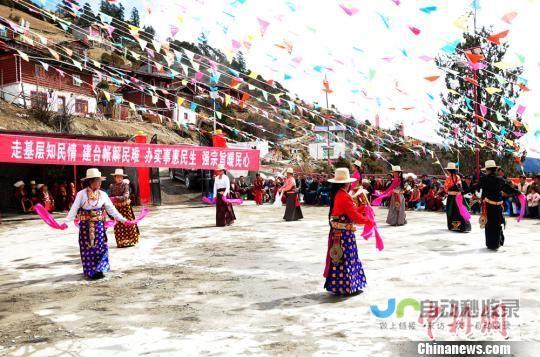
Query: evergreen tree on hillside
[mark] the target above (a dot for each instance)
(239, 62)
(135, 19)
(68, 8)
(150, 31)
(87, 16)
(457, 120)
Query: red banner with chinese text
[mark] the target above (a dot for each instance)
(58, 151)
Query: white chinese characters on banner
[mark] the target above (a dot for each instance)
(81, 152)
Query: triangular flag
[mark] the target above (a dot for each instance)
(415, 30)
(508, 18)
(77, 64)
(23, 55)
(193, 106)
(54, 53)
(263, 25)
(157, 45)
(496, 38)
(493, 90)
(44, 65)
(431, 78)
(428, 9)
(180, 101)
(142, 43)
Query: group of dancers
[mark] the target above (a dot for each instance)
(349, 208)
(344, 273)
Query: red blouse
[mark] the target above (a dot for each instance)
(344, 205)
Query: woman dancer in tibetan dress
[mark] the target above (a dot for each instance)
(90, 208)
(125, 235)
(452, 186)
(224, 210)
(396, 208)
(343, 272)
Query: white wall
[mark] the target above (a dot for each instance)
(316, 150)
(11, 91)
(179, 116)
(262, 146)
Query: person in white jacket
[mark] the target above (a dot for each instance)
(90, 207)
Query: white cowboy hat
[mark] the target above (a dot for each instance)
(490, 164)
(410, 174)
(220, 167)
(358, 163)
(18, 184)
(366, 181)
(396, 168)
(342, 175)
(290, 170)
(32, 182)
(451, 166)
(39, 185)
(119, 172)
(93, 173)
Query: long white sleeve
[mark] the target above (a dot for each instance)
(75, 207)
(109, 207)
(228, 187)
(215, 187)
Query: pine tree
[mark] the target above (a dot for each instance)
(87, 16)
(239, 63)
(149, 30)
(135, 19)
(65, 8)
(501, 125)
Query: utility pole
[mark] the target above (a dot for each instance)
(476, 98)
(327, 88)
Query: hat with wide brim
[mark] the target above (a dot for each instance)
(358, 163)
(490, 164)
(451, 166)
(18, 184)
(220, 167)
(39, 185)
(396, 168)
(119, 172)
(290, 170)
(93, 174)
(342, 175)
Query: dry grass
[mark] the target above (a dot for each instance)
(53, 33)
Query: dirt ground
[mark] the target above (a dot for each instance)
(255, 288)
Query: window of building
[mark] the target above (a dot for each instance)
(3, 32)
(61, 104)
(38, 100)
(328, 151)
(77, 80)
(81, 106)
(40, 71)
